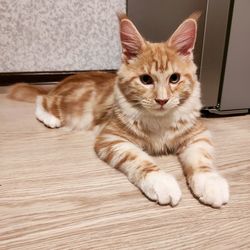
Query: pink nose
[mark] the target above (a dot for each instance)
(161, 101)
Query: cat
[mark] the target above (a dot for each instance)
(150, 107)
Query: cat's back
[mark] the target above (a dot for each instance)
(99, 81)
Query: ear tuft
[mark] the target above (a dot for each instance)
(183, 39)
(195, 15)
(131, 40)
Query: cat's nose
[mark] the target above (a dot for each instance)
(161, 101)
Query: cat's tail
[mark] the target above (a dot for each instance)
(25, 92)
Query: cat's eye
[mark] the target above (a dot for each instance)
(174, 78)
(146, 79)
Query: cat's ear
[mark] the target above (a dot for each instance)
(131, 40)
(183, 39)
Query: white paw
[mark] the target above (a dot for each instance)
(42, 115)
(210, 188)
(161, 187)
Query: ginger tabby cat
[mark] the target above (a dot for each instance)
(150, 107)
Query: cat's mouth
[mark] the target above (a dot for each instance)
(161, 108)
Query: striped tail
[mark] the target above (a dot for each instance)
(25, 92)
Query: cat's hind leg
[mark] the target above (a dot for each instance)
(44, 115)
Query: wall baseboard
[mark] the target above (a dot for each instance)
(37, 77)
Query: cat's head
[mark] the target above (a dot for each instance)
(158, 77)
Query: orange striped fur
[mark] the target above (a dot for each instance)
(150, 107)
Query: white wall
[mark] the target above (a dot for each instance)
(59, 35)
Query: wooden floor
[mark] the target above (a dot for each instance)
(56, 194)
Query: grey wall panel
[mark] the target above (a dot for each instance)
(213, 50)
(59, 35)
(236, 85)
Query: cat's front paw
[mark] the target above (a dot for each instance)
(210, 188)
(161, 187)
